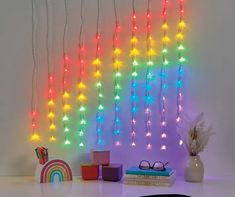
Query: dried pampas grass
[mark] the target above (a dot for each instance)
(197, 136)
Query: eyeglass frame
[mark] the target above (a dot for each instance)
(152, 167)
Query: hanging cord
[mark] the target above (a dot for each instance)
(51, 67)
(47, 38)
(65, 26)
(97, 28)
(34, 71)
(115, 12)
(82, 24)
(133, 6)
(98, 16)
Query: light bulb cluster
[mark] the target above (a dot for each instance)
(134, 53)
(148, 78)
(34, 118)
(81, 97)
(117, 63)
(97, 74)
(181, 60)
(163, 75)
(65, 100)
(51, 108)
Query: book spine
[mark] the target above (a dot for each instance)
(148, 180)
(160, 173)
(147, 183)
(148, 177)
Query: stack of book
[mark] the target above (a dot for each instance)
(136, 176)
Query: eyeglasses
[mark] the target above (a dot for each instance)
(158, 165)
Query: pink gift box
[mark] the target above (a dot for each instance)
(100, 157)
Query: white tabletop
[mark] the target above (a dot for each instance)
(27, 187)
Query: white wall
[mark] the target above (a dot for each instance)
(209, 81)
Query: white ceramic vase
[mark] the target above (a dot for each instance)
(194, 171)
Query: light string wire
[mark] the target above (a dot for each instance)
(134, 53)
(81, 97)
(34, 91)
(66, 95)
(50, 71)
(163, 75)
(148, 78)
(117, 74)
(181, 60)
(97, 63)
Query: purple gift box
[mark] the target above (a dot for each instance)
(112, 172)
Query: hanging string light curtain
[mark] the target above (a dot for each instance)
(81, 97)
(65, 81)
(117, 74)
(181, 60)
(163, 74)
(50, 79)
(148, 78)
(97, 63)
(34, 108)
(134, 53)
